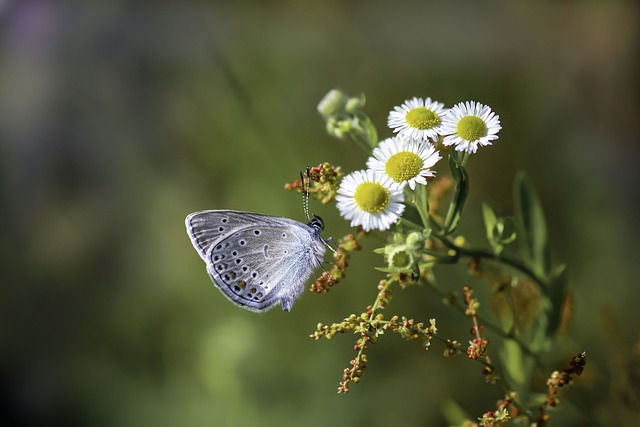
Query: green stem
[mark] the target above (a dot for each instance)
(376, 304)
(410, 224)
(452, 208)
(362, 142)
(421, 203)
(487, 254)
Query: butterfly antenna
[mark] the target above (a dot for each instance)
(305, 194)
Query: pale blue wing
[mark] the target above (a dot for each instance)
(206, 227)
(259, 266)
(256, 260)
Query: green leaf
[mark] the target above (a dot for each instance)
(460, 175)
(536, 336)
(490, 223)
(507, 230)
(500, 231)
(453, 413)
(426, 265)
(391, 270)
(556, 293)
(370, 132)
(490, 219)
(531, 226)
(512, 358)
(518, 367)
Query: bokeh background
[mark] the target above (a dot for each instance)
(118, 118)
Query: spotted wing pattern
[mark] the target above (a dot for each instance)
(256, 260)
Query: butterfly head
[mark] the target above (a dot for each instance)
(317, 224)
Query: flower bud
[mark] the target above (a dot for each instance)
(333, 103)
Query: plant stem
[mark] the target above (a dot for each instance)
(487, 254)
(421, 203)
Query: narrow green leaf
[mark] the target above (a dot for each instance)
(454, 166)
(459, 174)
(370, 131)
(518, 367)
(512, 359)
(490, 223)
(490, 219)
(426, 265)
(453, 413)
(557, 291)
(537, 334)
(531, 226)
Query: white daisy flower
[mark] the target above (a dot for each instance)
(405, 161)
(417, 118)
(469, 124)
(369, 199)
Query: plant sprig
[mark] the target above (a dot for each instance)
(398, 192)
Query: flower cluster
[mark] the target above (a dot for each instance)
(336, 273)
(558, 380)
(478, 346)
(323, 182)
(372, 198)
(369, 327)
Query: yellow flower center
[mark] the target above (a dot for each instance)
(403, 166)
(422, 118)
(372, 197)
(471, 128)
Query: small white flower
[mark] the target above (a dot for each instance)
(405, 161)
(417, 118)
(469, 124)
(369, 199)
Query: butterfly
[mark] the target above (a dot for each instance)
(255, 260)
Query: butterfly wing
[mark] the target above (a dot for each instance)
(206, 227)
(256, 260)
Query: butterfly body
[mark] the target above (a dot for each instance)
(255, 260)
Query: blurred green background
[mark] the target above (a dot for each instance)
(118, 118)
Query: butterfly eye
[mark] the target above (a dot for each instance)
(256, 232)
(242, 242)
(220, 228)
(225, 220)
